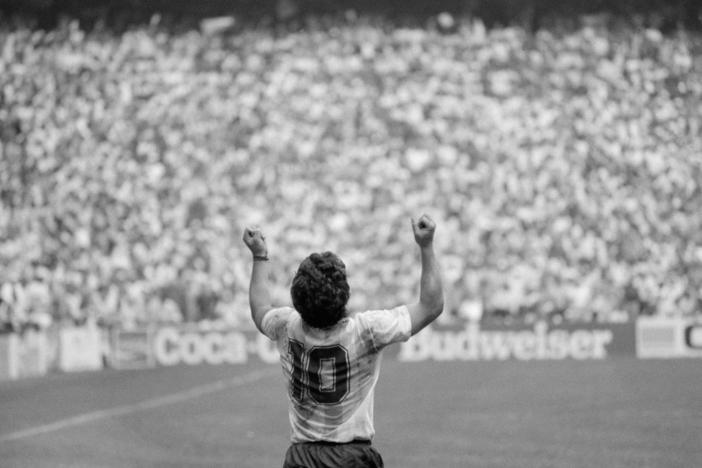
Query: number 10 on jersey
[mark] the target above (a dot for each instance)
(321, 372)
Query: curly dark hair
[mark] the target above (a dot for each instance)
(320, 291)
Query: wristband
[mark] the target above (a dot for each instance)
(263, 258)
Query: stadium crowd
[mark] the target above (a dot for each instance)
(562, 166)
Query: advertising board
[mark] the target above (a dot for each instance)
(131, 349)
(79, 349)
(462, 341)
(6, 366)
(171, 345)
(189, 345)
(30, 354)
(472, 341)
(668, 338)
(23, 354)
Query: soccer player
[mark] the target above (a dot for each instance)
(331, 357)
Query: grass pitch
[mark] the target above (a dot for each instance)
(617, 413)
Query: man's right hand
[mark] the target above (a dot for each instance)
(254, 240)
(423, 230)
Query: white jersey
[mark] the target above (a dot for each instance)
(332, 373)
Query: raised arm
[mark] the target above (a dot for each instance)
(259, 291)
(431, 294)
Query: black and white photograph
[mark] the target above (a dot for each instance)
(351, 233)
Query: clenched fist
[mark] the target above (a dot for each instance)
(423, 230)
(255, 241)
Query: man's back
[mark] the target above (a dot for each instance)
(331, 359)
(332, 373)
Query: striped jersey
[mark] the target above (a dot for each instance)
(331, 373)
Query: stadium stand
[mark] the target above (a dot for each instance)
(563, 165)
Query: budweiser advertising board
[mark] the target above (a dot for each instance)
(472, 341)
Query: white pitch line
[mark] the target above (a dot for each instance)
(170, 399)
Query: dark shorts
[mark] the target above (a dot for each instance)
(331, 455)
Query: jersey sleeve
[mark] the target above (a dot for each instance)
(275, 321)
(384, 327)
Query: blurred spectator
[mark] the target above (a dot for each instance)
(563, 166)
